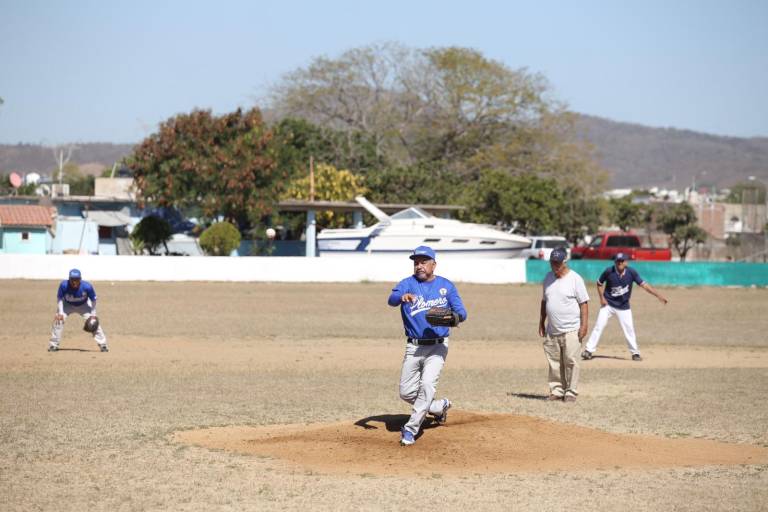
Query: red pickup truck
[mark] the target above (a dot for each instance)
(605, 246)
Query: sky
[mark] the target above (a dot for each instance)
(93, 71)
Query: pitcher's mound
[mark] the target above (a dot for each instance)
(470, 443)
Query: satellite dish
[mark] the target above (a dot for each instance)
(15, 180)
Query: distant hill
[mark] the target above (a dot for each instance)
(636, 156)
(639, 156)
(92, 158)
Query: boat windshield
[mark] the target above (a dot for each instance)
(411, 213)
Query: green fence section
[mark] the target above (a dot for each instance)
(667, 273)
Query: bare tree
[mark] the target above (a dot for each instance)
(61, 160)
(451, 106)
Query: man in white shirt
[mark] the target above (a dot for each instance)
(565, 309)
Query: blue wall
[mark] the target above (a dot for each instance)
(39, 241)
(667, 273)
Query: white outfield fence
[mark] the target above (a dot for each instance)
(254, 269)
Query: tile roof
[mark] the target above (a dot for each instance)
(26, 215)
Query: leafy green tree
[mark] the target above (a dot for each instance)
(220, 239)
(225, 164)
(150, 233)
(418, 184)
(298, 140)
(679, 223)
(578, 216)
(625, 214)
(532, 205)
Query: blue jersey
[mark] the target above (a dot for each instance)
(618, 288)
(439, 292)
(76, 296)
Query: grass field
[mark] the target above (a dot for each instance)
(294, 388)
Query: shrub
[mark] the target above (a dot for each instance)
(151, 232)
(220, 239)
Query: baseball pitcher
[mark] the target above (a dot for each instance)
(429, 305)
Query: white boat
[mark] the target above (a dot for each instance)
(405, 230)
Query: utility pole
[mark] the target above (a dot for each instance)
(61, 161)
(311, 219)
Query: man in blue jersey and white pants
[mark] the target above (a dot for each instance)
(75, 296)
(614, 287)
(426, 345)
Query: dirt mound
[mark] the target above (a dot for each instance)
(470, 443)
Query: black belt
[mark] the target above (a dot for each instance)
(430, 341)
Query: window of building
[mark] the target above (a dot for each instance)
(105, 232)
(25, 236)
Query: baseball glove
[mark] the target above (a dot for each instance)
(442, 316)
(91, 324)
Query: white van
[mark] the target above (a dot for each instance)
(541, 247)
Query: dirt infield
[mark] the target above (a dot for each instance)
(220, 396)
(473, 443)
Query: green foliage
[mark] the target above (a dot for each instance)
(579, 216)
(225, 164)
(220, 239)
(331, 184)
(27, 190)
(749, 192)
(531, 204)
(150, 233)
(297, 140)
(82, 185)
(679, 222)
(418, 184)
(625, 214)
(79, 184)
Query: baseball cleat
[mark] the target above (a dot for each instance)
(53, 348)
(406, 438)
(442, 418)
(636, 357)
(587, 355)
(103, 348)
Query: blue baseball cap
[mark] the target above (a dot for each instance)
(620, 256)
(74, 274)
(423, 250)
(558, 254)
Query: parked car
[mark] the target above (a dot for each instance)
(541, 247)
(604, 246)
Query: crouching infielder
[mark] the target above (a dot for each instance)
(76, 296)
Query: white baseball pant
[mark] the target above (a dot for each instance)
(627, 325)
(83, 310)
(422, 365)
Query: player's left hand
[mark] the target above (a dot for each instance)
(663, 300)
(582, 332)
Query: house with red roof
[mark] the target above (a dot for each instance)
(26, 229)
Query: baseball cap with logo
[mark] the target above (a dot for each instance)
(423, 250)
(74, 274)
(620, 256)
(558, 255)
